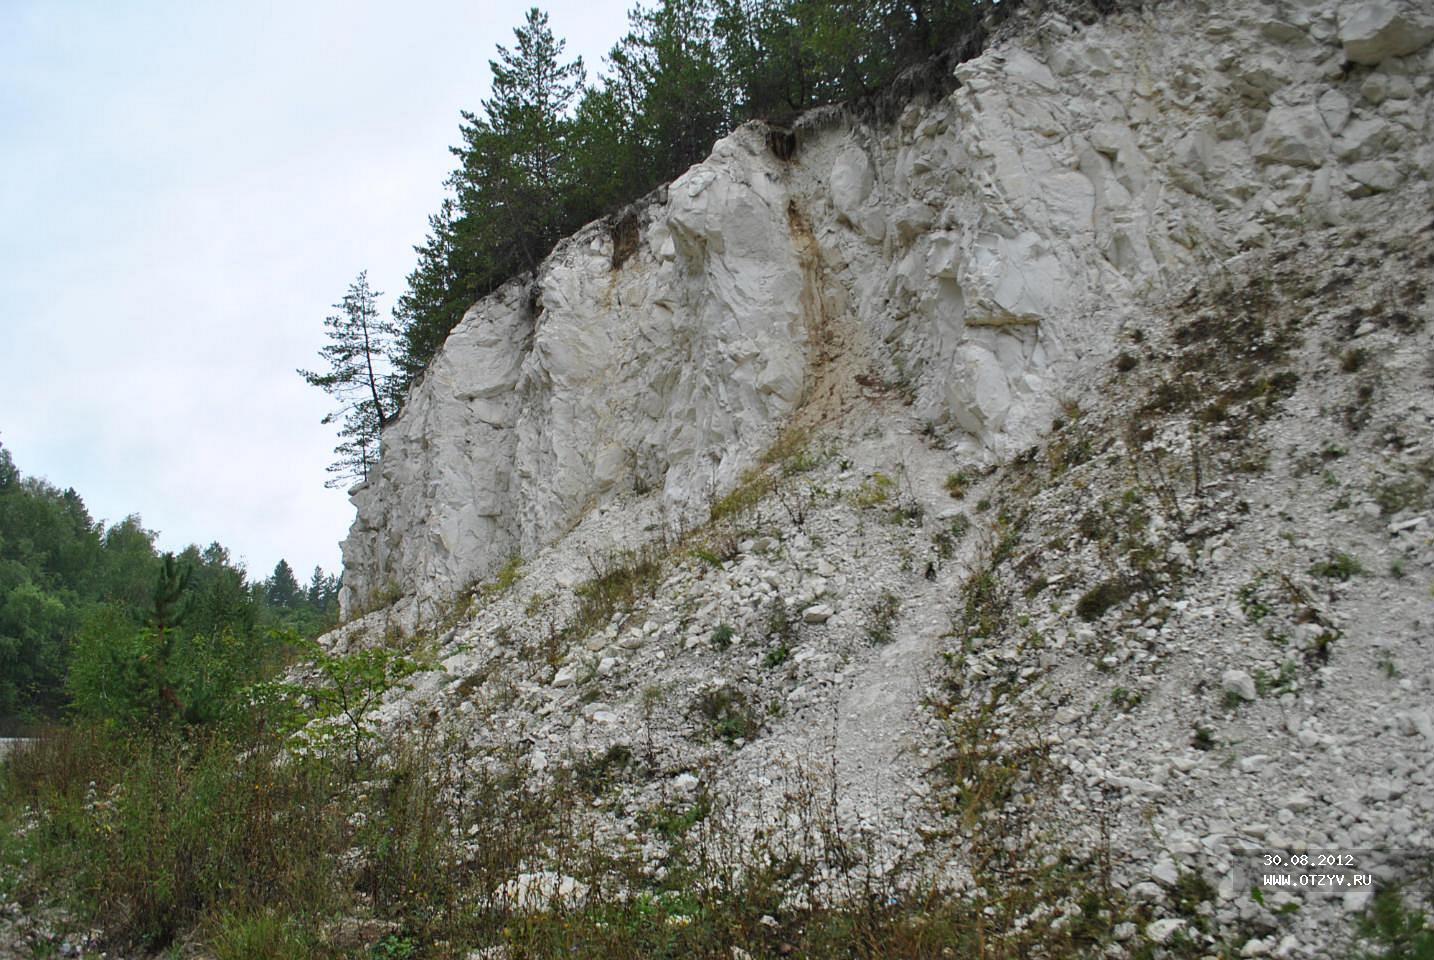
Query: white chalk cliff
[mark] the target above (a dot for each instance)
(973, 252)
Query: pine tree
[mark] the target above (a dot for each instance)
(435, 301)
(669, 64)
(170, 609)
(514, 157)
(322, 590)
(283, 587)
(360, 343)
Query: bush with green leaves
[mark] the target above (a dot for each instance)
(333, 709)
(1395, 929)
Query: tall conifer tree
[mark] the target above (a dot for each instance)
(360, 343)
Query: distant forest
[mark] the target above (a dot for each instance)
(86, 610)
(551, 150)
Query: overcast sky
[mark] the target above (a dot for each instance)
(186, 188)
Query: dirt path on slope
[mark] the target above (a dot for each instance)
(880, 719)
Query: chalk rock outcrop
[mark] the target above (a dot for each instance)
(972, 255)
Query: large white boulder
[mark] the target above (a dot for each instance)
(1293, 135)
(1372, 31)
(852, 179)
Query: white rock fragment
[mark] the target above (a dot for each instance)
(1357, 901)
(1293, 135)
(1415, 723)
(1238, 683)
(541, 890)
(820, 613)
(1160, 931)
(1165, 873)
(1379, 176)
(1372, 31)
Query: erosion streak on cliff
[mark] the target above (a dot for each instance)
(833, 357)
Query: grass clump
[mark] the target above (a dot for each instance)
(874, 491)
(1338, 566)
(1123, 698)
(267, 933)
(1353, 359)
(946, 538)
(1095, 602)
(957, 484)
(1408, 493)
(777, 656)
(508, 574)
(727, 714)
(721, 637)
(751, 488)
(985, 604)
(619, 582)
(881, 617)
(791, 452)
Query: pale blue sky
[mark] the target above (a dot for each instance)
(186, 187)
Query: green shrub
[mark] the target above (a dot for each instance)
(1396, 930)
(1339, 566)
(266, 933)
(334, 710)
(1094, 603)
(874, 491)
(722, 636)
(881, 617)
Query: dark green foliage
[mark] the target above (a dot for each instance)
(440, 288)
(169, 606)
(669, 72)
(1397, 930)
(1098, 599)
(283, 589)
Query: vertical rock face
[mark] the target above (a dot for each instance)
(973, 254)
